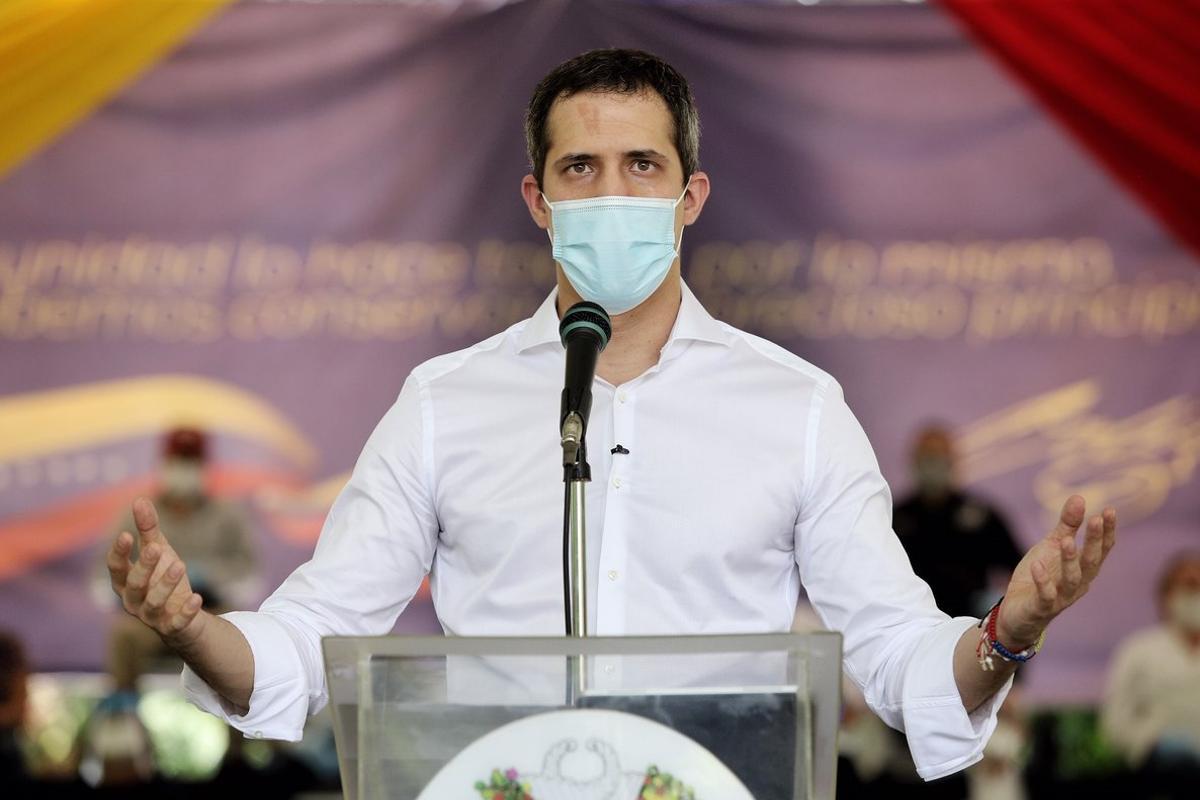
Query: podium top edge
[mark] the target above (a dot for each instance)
(819, 643)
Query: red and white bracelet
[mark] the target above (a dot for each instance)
(989, 645)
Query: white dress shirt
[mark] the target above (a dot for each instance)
(746, 475)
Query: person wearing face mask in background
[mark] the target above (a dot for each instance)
(1151, 711)
(957, 542)
(211, 534)
(962, 547)
(114, 745)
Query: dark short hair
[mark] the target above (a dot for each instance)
(620, 71)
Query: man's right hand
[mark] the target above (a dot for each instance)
(155, 588)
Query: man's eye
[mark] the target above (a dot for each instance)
(579, 168)
(643, 166)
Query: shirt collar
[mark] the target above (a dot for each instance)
(693, 323)
(542, 327)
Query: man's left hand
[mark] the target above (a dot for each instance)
(1055, 573)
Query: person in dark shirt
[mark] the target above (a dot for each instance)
(956, 542)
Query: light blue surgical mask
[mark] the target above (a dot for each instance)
(615, 250)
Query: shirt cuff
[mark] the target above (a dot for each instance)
(942, 737)
(279, 699)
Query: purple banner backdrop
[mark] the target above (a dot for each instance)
(270, 229)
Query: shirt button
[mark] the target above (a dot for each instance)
(622, 397)
(258, 735)
(612, 574)
(617, 482)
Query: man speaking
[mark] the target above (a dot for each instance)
(727, 471)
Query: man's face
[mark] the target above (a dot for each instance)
(608, 143)
(604, 143)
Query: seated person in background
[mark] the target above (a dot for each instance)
(1152, 704)
(956, 542)
(14, 675)
(214, 535)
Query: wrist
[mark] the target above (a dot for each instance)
(1016, 635)
(186, 640)
(991, 647)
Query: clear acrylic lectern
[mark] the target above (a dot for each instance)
(687, 718)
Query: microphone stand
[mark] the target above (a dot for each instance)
(584, 330)
(576, 475)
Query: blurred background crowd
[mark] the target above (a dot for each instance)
(228, 230)
(129, 730)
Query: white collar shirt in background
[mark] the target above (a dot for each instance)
(746, 476)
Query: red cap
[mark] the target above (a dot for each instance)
(186, 443)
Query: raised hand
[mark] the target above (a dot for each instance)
(1055, 573)
(155, 588)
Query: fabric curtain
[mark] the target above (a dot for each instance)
(1123, 76)
(61, 59)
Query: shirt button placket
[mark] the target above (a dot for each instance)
(611, 593)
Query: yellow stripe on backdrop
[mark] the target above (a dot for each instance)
(45, 423)
(62, 59)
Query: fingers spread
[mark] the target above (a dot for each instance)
(176, 600)
(1110, 529)
(188, 612)
(1071, 517)
(145, 516)
(161, 589)
(118, 560)
(138, 580)
(166, 559)
(1046, 590)
(1093, 548)
(1072, 571)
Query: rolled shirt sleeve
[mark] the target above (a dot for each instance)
(899, 648)
(376, 546)
(281, 699)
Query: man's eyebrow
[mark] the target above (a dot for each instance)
(649, 154)
(575, 158)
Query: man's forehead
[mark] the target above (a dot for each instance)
(618, 119)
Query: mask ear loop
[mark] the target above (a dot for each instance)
(678, 200)
(682, 194)
(550, 211)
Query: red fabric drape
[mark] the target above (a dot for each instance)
(1123, 76)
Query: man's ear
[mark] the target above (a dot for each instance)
(695, 197)
(532, 194)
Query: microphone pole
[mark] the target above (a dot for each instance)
(584, 330)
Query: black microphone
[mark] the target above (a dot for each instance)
(585, 330)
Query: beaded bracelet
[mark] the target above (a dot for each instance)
(989, 644)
